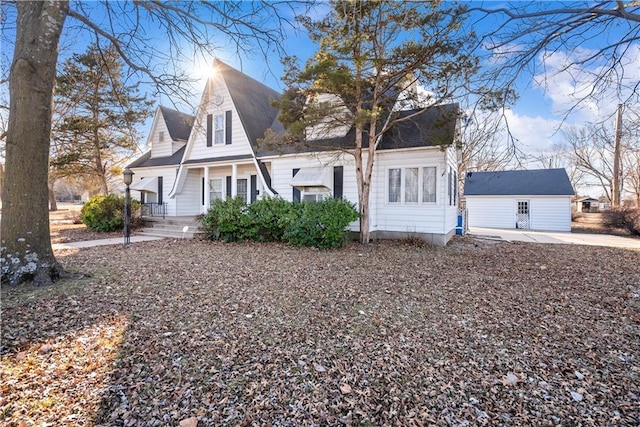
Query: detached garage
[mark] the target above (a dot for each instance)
(528, 199)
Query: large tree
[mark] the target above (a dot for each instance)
(130, 26)
(369, 52)
(100, 116)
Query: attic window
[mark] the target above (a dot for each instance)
(218, 121)
(161, 136)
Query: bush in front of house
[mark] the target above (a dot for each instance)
(268, 218)
(226, 220)
(106, 213)
(624, 218)
(320, 224)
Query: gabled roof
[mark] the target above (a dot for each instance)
(178, 124)
(536, 182)
(252, 101)
(430, 127)
(146, 161)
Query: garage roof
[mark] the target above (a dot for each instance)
(536, 182)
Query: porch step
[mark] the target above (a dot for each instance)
(172, 227)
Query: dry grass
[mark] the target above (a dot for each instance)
(264, 334)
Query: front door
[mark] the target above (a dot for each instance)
(522, 215)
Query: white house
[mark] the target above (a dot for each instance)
(526, 199)
(413, 191)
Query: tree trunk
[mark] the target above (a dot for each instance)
(26, 245)
(53, 205)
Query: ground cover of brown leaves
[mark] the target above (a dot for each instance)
(476, 333)
(68, 232)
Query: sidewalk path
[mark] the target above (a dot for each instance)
(102, 242)
(555, 237)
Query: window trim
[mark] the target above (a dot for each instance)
(420, 187)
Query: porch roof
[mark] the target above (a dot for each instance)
(225, 159)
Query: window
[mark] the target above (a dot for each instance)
(161, 136)
(315, 194)
(215, 189)
(242, 189)
(218, 130)
(395, 181)
(407, 190)
(523, 208)
(411, 185)
(429, 185)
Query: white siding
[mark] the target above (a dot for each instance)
(551, 213)
(491, 212)
(282, 172)
(410, 218)
(168, 175)
(160, 149)
(545, 213)
(189, 201)
(221, 102)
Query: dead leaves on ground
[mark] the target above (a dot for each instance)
(197, 333)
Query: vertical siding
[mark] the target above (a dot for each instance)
(551, 213)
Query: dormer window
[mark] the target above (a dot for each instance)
(161, 136)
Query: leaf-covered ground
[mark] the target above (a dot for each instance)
(477, 333)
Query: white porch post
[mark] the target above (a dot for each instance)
(207, 194)
(234, 180)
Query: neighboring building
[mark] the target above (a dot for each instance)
(527, 199)
(414, 186)
(587, 204)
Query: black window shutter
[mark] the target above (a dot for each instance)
(254, 188)
(209, 130)
(203, 191)
(296, 192)
(227, 127)
(228, 185)
(338, 172)
(142, 194)
(159, 190)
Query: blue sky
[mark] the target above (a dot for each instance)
(535, 119)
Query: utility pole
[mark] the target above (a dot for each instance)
(615, 182)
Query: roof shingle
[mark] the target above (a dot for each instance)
(535, 182)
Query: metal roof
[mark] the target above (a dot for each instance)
(535, 182)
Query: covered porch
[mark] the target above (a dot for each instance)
(204, 183)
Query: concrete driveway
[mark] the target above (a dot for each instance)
(556, 237)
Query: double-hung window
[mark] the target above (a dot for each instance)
(215, 189)
(218, 129)
(395, 185)
(429, 185)
(412, 185)
(242, 189)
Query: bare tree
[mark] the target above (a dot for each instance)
(528, 33)
(134, 28)
(559, 156)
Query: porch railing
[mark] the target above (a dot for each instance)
(154, 209)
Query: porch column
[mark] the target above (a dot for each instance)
(234, 180)
(207, 194)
